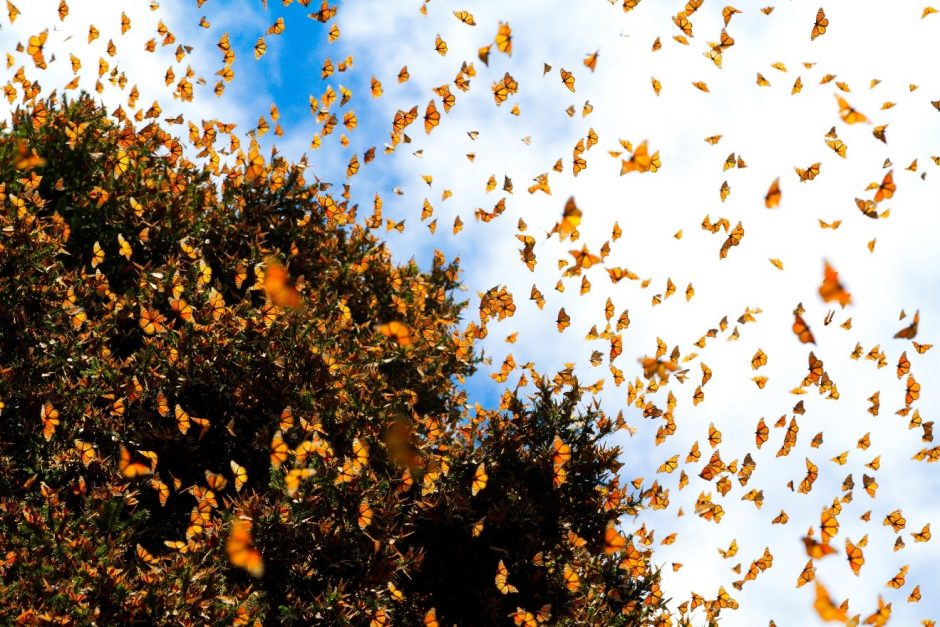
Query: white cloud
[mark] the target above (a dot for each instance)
(774, 132)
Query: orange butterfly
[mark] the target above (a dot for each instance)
(240, 473)
(50, 420)
(826, 608)
(502, 576)
(241, 552)
(432, 117)
(504, 38)
(135, 468)
(831, 288)
(279, 449)
(614, 542)
(86, 452)
(734, 238)
(848, 114)
(397, 330)
(817, 550)
(479, 480)
(772, 198)
(802, 330)
(570, 219)
(854, 555)
(819, 28)
(277, 286)
(887, 187)
(910, 331)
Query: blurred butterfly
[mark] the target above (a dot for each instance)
(848, 114)
(831, 288)
(397, 331)
(910, 331)
(802, 330)
(240, 550)
(278, 287)
(131, 467)
(772, 198)
(826, 608)
(614, 542)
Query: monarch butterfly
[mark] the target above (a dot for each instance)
(734, 238)
(909, 332)
(563, 321)
(895, 520)
(432, 117)
(293, 478)
(86, 452)
(758, 360)
(819, 28)
(923, 535)
(277, 286)
(260, 48)
(614, 542)
(279, 449)
(571, 578)
(35, 48)
(826, 608)
(479, 480)
(817, 550)
(397, 330)
(887, 187)
(50, 420)
(134, 467)
(162, 489)
(848, 114)
(590, 61)
(810, 173)
(831, 288)
(854, 556)
(567, 79)
(365, 514)
(503, 38)
(241, 552)
(215, 481)
(802, 330)
(182, 309)
(124, 249)
(828, 525)
(182, 419)
(465, 17)
(899, 579)
(440, 46)
(583, 258)
(772, 198)
(640, 160)
(912, 391)
(501, 579)
(240, 473)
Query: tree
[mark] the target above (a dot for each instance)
(222, 401)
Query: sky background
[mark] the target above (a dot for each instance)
(771, 128)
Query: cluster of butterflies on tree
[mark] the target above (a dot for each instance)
(654, 373)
